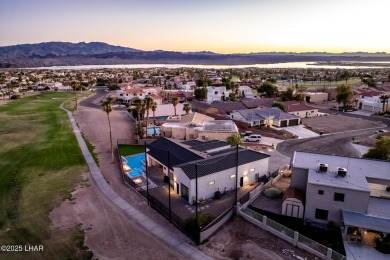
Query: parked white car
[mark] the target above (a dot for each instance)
(252, 138)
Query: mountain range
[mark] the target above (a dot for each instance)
(98, 53)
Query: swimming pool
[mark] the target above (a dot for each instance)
(135, 162)
(153, 130)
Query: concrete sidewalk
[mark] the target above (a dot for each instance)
(148, 224)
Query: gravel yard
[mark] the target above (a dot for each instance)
(337, 123)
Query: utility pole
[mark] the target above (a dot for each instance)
(169, 188)
(236, 195)
(147, 177)
(196, 204)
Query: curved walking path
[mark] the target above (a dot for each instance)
(148, 224)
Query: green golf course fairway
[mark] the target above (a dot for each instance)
(40, 163)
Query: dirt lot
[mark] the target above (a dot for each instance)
(337, 123)
(240, 239)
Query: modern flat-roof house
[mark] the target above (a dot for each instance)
(338, 189)
(316, 97)
(216, 93)
(271, 116)
(371, 102)
(210, 166)
(197, 125)
(246, 91)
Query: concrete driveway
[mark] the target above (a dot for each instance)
(300, 131)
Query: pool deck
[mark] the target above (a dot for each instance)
(148, 224)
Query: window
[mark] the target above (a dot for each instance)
(320, 192)
(339, 196)
(211, 182)
(321, 214)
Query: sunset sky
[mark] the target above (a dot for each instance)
(223, 26)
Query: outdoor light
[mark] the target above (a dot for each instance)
(126, 168)
(137, 181)
(245, 173)
(232, 176)
(252, 170)
(211, 182)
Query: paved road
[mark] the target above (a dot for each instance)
(338, 144)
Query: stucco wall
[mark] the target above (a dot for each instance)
(354, 200)
(302, 114)
(215, 135)
(223, 179)
(299, 178)
(318, 97)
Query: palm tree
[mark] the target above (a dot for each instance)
(138, 106)
(234, 139)
(107, 107)
(148, 101)
(175, 101)
(187, 108)
(143, 110)
(384, 99)
(153, 107)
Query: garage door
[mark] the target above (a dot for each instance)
(293, 122)
(283, 123)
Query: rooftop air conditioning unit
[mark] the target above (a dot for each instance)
(323, 167)
(342, 172)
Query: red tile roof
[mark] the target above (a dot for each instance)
(293, 106)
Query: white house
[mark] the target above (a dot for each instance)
(216, 93)
(371, 102)
(197, 125)
(336, 185)
(246, 91)
(127, 95)
(207, 167)
(189, 86)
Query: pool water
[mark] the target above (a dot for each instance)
(135, 162)
(154, 130)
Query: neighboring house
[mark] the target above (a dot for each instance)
(179, 95)
(165, 110)
(258, 102)
(200, 126)
(190, 86)
(203, 107)
(128, 95)
(228, 106)
(371, 102)
(246, 91)
(270, 116)
(316, 97)
(343, 191)
(208, 166)
(216, 93)
(300, 110)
